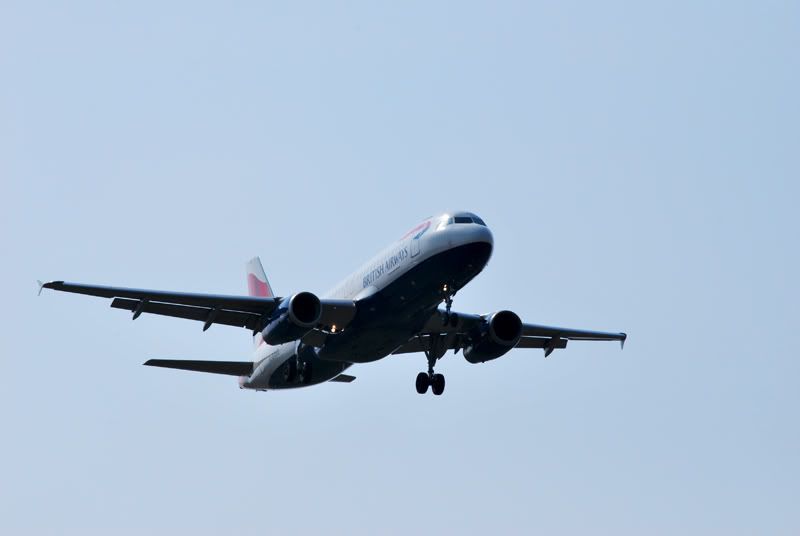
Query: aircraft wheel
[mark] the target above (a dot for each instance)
(437, 384)
(423, 381)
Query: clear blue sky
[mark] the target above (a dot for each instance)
(638, 165)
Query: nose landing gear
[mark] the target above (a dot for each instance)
(447, 296)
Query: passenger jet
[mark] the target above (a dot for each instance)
(391, 305)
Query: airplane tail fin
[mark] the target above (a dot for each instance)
(257, 285)
(257, 282)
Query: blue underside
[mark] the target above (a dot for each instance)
(389, 318)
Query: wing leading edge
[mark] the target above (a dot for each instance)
(248, 304)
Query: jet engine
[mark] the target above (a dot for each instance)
(294, 317)
(498, 334)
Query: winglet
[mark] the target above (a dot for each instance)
(622, 341)
(55, 285)
(41, 286)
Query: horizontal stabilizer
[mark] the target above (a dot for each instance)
(343, 378)
(232, 368)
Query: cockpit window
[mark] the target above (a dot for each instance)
(461, 218)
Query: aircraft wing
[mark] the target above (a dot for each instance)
(231, 368)
(536, 330)
(455, 333)
(241, 311)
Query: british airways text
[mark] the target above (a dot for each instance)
(389, 265)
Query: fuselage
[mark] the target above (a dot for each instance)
(396, 293)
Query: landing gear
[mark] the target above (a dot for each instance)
(435, 381)
(447, 296)
(426, 379)
(437, 347)
(423, 381)
(437, 384)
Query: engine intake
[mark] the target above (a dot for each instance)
(294, 317)
(498, 334)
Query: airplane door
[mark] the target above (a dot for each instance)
(416, 234)
(415, 246)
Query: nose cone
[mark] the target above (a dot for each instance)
(475, 237)
(482, 238)
(470, 229)
(483, 234)
(461, 228)
(470, 246)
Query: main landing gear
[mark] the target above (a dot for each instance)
(437, 348)
(429, 379)
(435, 381)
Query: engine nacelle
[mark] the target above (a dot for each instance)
(294, 317)
(496, 336)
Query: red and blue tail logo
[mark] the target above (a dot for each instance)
(257, 282)
(256, 287)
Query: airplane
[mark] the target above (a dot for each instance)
(389, 306)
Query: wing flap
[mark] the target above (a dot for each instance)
(541, 342)
(202, 314)
(422, 344)
(231, 368)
